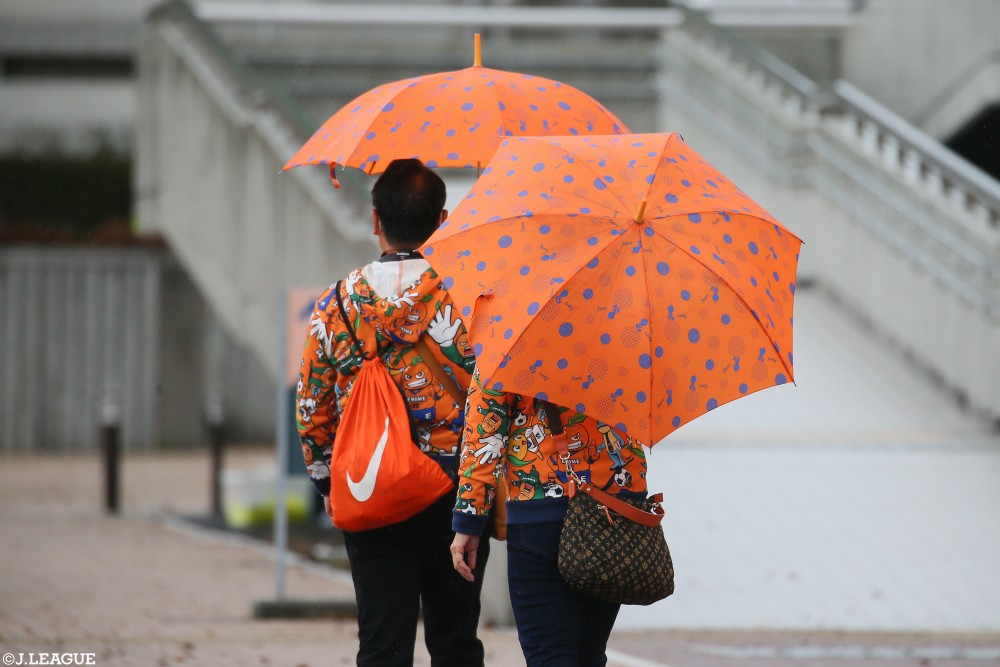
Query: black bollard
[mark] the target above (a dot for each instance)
(215, 422)
(112, 460)
(216, 443)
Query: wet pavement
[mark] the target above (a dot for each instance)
(148, 588)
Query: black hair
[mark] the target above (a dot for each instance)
(408, 198)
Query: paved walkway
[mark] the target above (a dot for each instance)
(860, 499)
(144, 589)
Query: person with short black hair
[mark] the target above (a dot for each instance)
(408, 199)
(393, 302)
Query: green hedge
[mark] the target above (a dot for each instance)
(59, 197)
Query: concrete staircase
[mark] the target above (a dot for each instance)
(900, 231)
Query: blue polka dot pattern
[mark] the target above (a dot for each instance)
(649, 324)
(472, 110)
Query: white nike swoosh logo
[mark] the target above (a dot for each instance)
(364, 489)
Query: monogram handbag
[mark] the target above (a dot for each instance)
(610, 548)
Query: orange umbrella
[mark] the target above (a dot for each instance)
(451, 119)
(623, 276)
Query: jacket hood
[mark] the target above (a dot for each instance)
(402, 316)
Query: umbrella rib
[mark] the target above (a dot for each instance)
(739, 296)
(584, 162)
(618, 193)
(649, 318)
(393, 99)
(499, 114)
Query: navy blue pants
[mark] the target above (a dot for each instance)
(557, 627)
(407, 566)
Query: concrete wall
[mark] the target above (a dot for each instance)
(85, 329)
(200, 364)
(935, 63)
(207, 177)
(59, 108)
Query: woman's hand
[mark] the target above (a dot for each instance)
(460, 546)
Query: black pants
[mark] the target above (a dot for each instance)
(400, 567)
(557, 626)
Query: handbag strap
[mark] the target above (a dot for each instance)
(643, 517)
(621, 507)
(447, 380)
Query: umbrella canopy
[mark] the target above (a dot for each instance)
(620, 275)
(451, 119)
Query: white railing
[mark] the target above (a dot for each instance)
(920, 160)
(901, 229)
(771, 13)
(969, 199)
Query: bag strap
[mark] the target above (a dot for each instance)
(621, 507)
(447, 380)
(555, 424)
(347, 322)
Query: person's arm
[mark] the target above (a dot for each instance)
(484, 450)
(317, 413)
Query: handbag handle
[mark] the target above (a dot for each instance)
(555, 424)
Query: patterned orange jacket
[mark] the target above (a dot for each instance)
(386, 326)
(507, 440)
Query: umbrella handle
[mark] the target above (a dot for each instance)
(641, 211)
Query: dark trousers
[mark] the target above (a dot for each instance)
(557, 627)
(400, 567)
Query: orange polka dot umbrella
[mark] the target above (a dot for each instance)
(451, 119)
(621, 275)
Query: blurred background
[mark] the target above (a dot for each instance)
(148, 244)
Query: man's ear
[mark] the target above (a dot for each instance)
(444, 216)
(376, 223)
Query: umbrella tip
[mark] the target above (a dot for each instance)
(641, 211)
(478, 58)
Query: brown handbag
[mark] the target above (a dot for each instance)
(610, 548)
